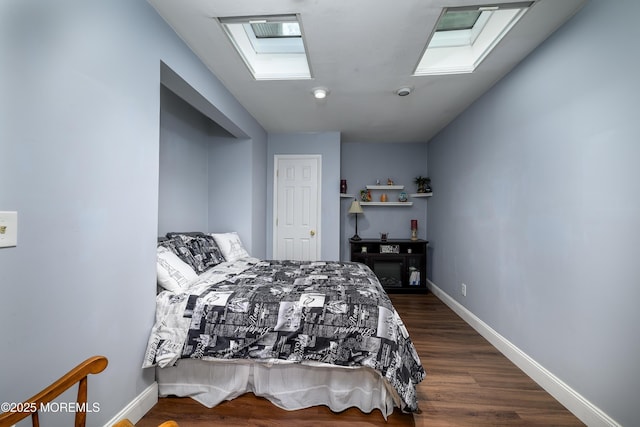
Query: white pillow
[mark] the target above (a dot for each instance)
(173, 273)
(230, 245)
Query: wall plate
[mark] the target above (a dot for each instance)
(8, 229)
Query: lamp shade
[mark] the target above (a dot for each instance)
(355, 208)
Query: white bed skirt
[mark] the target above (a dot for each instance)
(289, 386)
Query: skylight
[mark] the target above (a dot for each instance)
(272, 47)
(464, 36)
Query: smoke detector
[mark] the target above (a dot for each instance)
(404, 91)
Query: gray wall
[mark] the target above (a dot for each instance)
(206, 175)
(537, 207)
(258, 197)
(230, 187)
(326, 144)
(236, 159)
(79, 137)
(362, 165)
(183, 196)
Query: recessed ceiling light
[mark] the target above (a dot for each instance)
(320, 93)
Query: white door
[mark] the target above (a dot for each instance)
(296, 202)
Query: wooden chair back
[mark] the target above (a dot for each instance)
(127, 423)
(92, 365)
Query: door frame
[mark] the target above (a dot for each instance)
(274, 201)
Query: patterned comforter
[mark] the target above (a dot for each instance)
(296, 311)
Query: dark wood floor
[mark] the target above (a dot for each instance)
(469, 383)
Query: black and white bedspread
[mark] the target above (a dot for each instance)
(295, 311)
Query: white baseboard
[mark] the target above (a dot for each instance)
(139, 406)
(572, 400)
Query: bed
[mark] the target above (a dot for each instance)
(299, 333)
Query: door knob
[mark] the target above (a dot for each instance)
(313, 233)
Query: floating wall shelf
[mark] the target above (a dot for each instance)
(385, 187)
(386, 203)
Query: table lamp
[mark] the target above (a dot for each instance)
(355, 209)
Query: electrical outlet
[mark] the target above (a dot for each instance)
(463, 289)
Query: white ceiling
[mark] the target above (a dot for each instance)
(363, 51)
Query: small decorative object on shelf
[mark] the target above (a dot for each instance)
(414, 229)
(365, 195)
(402, 197)
(390, 249)
(343, 186)
(383, 237)
(423, 184)
(414, 277)
(389, 181)
(383, 197)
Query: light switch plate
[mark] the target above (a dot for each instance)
(8, 229)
